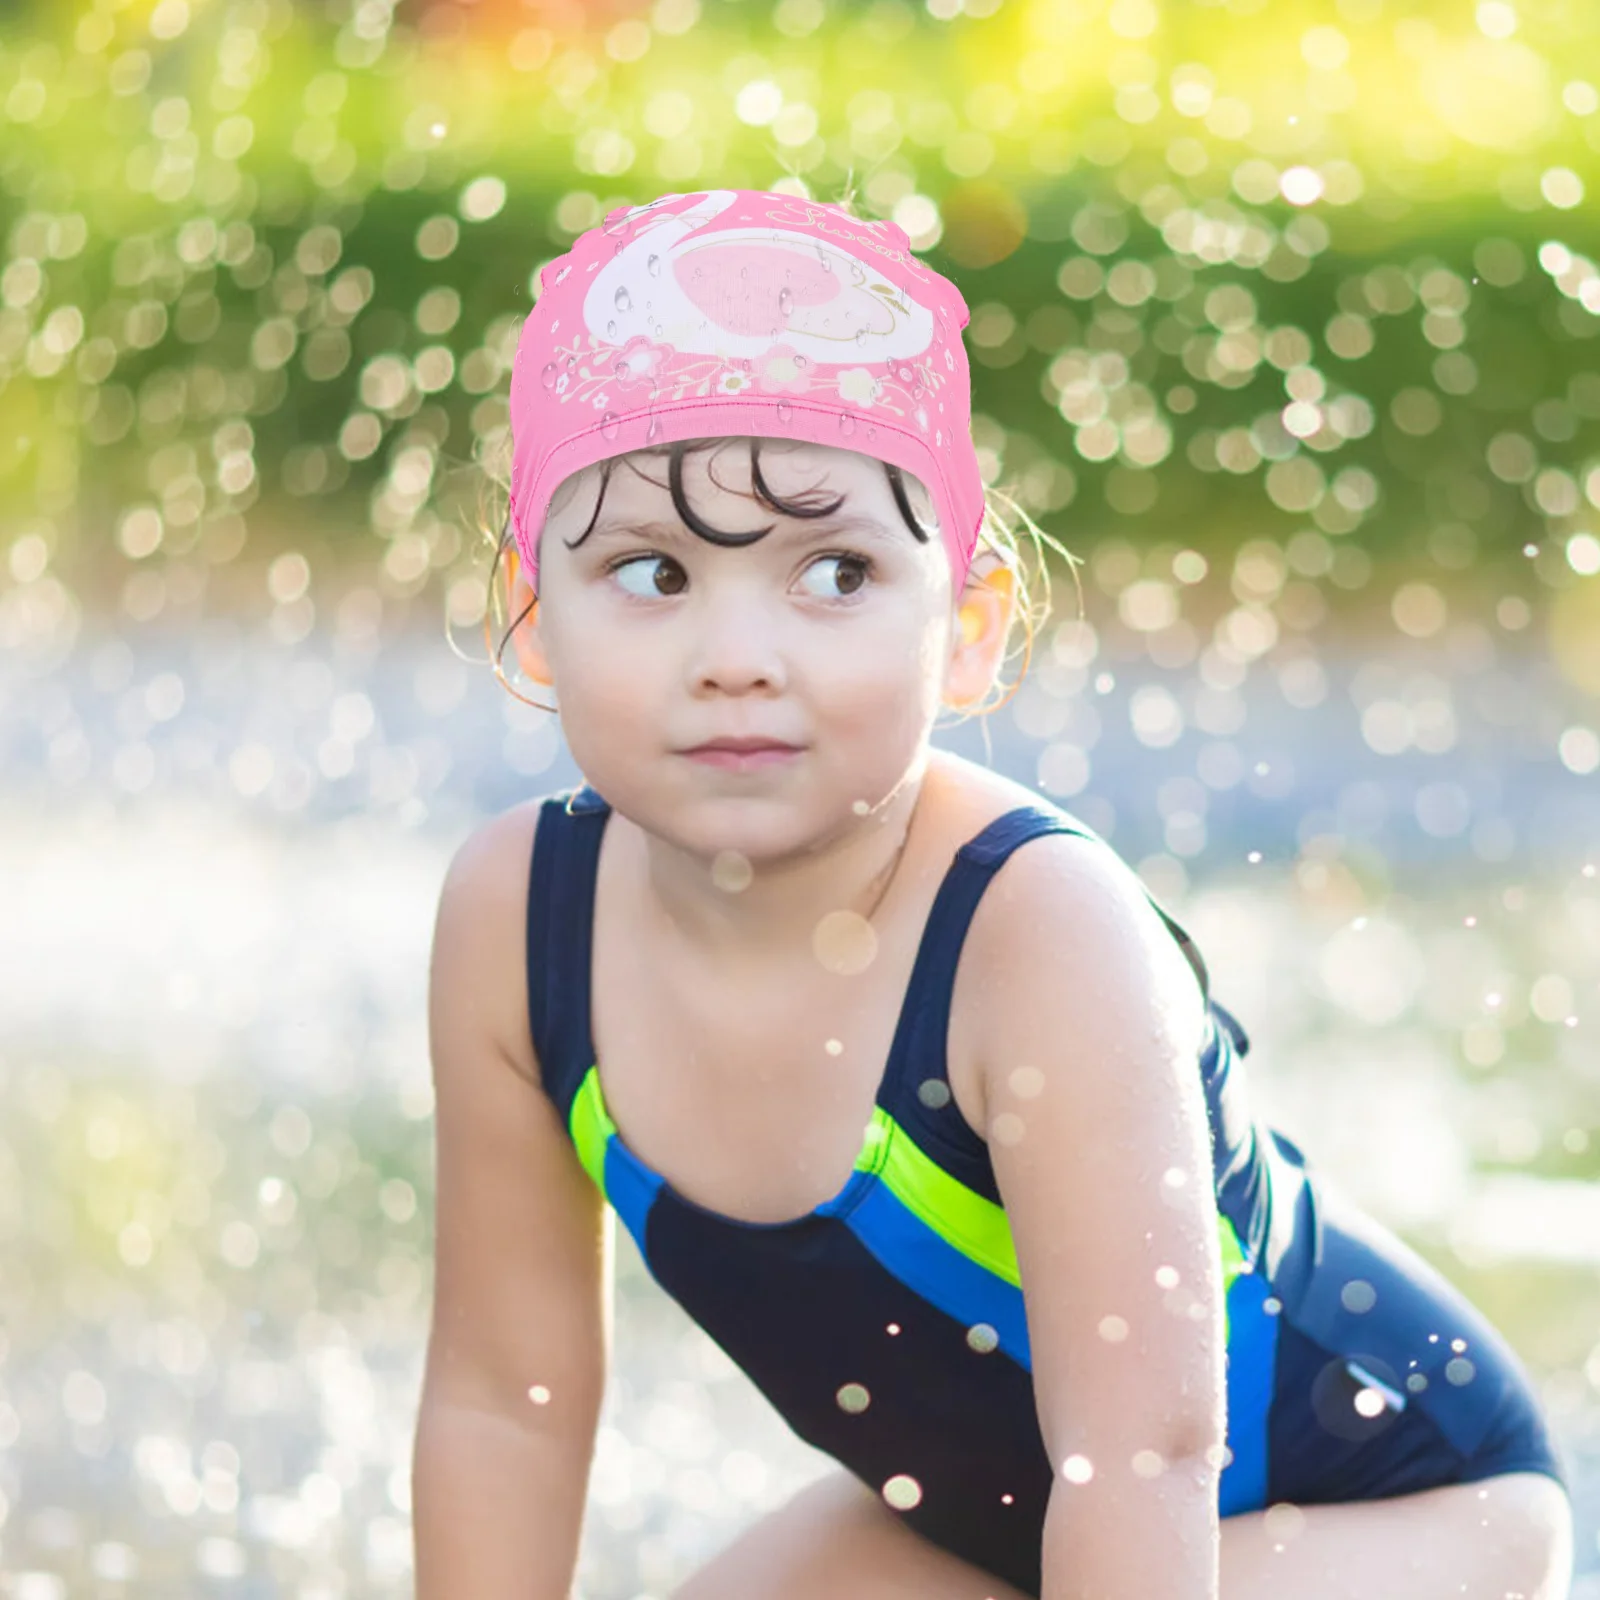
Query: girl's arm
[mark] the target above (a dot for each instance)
(1098, 1135)
(518, 1351)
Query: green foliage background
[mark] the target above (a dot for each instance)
(1319, 274)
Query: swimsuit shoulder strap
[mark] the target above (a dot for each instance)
(916, 1090)
(566, 848)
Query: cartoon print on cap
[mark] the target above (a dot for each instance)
(675, 311)
(737, 291)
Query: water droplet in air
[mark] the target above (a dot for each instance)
(1077, 1469)
(847, 424)
(785, 411)
(1283, 1521)
(1007, 1128)
(1358, 1295)
(730, 871)
(653, 266)
(1026, 1083)
(982, 1338)
(1369, 1403)
(844, 942)
(549, 375)
(934, 1093)
(610, 424)
(624, 301)
(785, 302)
(903, 1492)
(853, 1397)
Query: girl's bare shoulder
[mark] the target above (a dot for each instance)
(480, 935)
(1061, 897)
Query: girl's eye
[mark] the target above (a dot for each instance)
(854, 571)
(852, 574)
(651, 589)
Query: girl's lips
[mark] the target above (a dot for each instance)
(742, 760)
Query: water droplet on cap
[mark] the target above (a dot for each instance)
(861, 335)
(785, 411)
(624, 301)
(847, 424)
(800, 361)
(610, 424)
(653, 432)
(611, 329)
(653, 266)
(549, 375)
(785, 301)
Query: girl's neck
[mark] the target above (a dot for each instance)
(771, 922)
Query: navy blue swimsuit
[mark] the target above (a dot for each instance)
(887, 1326)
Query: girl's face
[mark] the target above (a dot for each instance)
(831, 634)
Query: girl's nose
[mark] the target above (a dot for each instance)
(736, 645)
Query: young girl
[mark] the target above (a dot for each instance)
(941, 1139)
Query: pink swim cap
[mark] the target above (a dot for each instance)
(738, 311)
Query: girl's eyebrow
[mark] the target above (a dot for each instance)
(823, 528)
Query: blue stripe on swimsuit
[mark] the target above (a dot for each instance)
(905, 1282)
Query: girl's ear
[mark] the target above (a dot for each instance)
(525, 638)
(983, 623)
